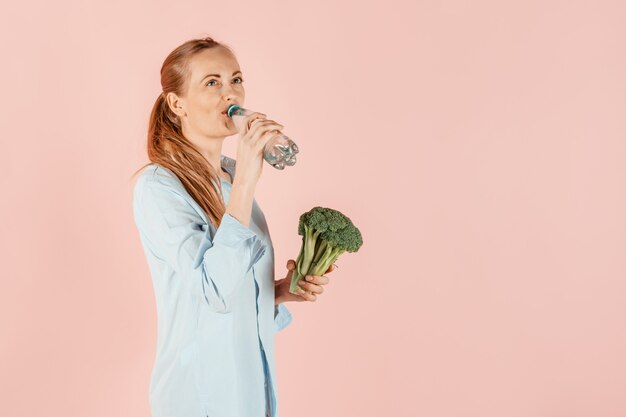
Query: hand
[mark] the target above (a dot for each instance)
(255, 132)
(309, 288)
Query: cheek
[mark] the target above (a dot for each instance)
(230, 125)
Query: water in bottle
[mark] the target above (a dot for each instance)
(280, 151)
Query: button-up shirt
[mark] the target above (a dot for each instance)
(214, 291)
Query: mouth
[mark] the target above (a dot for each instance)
(225, 111)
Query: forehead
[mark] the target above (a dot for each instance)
(213, 61)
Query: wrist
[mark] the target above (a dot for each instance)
(278, 293)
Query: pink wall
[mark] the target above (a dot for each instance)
(480, 147)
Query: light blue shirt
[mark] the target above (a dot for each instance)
(214, 293)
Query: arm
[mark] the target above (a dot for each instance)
(211, 265)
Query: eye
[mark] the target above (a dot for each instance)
(238, 78)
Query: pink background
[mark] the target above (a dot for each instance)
(479, 146)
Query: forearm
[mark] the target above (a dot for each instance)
(240, 201)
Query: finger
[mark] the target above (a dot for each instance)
(291, 264)
(330, 268)
(312, 288)
(264, 137)
(307, 295)
(317, 279)
(255, 127)
(302, 293)
(251, 119)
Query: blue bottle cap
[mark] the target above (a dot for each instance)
(232, 109)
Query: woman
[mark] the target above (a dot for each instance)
(207, 244)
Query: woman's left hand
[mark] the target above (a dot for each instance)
(310, 286)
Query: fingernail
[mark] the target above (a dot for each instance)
(309, 277)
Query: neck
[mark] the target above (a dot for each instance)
(209, 146)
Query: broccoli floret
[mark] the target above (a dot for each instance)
(326, 234)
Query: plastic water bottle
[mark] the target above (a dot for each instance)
(280, 151)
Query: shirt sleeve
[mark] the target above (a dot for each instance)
(282, 316)
(211, 266)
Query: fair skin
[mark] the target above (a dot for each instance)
(200, 110)
(215, 82)
(309, 287)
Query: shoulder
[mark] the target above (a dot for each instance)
(157, 173)
(156, 178)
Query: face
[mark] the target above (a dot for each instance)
(216, 82)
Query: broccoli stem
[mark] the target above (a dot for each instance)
(303, 263)
(295, 278)
(320, 250)
(329, 258)
(323, 251)
(319, 246)
(310, 241)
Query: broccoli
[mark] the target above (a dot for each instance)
(326, 234)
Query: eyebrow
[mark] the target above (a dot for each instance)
(217, 75)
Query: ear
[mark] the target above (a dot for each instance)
(176, 104)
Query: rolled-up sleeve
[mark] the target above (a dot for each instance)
(282, 317)
(210, 266)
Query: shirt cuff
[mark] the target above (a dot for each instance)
(236, 231)
(282, 317)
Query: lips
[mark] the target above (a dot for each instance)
(225, 111)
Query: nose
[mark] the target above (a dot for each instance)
(229, 93)
(230, 98)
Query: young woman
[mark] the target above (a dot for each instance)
(207, 244)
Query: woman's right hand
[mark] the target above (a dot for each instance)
(255, 133)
